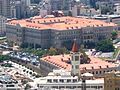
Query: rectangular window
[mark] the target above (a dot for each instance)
(61, 87)
(74, 80)
(76, 58)
(77, 66)
(9, 85)
(49, 80)
(55, 87)
(94, 87)
(79, 87)
(61, 80)
(68, 80)
(100, 86)
(55, 80)
(68, 86)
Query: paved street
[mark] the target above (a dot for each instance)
(30, 66)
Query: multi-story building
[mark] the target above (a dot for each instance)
(82, 10)
(60, 4)
(15, 8)
(57, 32)
(63, 80)
(5, 8)
(117, 8)
(55, 5)
(91, 3)
(112, 81)
(96, 66)
(2, 25)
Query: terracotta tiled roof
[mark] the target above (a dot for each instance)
(61, 62)
(75, 47)
(60, 23)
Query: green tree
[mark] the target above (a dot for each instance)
(105, 46)
(4, 57)
(62, 51)
(84, 57)
(52, 51)
(114, 35)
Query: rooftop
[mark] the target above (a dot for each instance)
(61, 61)
(59, 23)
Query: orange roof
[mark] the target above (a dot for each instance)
(60, 23)
(61, 62)
(74, 48)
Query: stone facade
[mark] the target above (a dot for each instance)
(45, 38)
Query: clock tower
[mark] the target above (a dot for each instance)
(75, 60)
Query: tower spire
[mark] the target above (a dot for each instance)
(74, 47)
(75, 61)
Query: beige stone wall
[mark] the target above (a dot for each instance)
(48, 38)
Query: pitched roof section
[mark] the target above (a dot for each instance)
(61, 62)
(75, 47)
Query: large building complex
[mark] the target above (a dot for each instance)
(57, 32)
(68, 79)
(96, 66)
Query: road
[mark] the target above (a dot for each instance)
(30, 66)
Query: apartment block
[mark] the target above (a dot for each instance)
(112, 81)
(2, 25)
(5, 8)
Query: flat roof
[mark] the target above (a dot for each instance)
(59, 23)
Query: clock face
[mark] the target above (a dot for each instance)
(76, 58)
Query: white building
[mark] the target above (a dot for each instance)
(62, 80)
(2, 25)
(81, 10)
(27, 2)
(118, 8)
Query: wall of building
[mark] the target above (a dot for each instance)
(2, 25)
(56, 38)
(48, 67)
(5, 8)
(112, 81)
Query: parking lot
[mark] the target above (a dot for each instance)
(28, 60)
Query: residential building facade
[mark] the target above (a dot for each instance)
(63, 80)
(82, 10)
(112, 81)
(5, 8)
(2, 25)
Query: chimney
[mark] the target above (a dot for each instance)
(100, 67)
(62, 59)
(76, 22)
(49, 57)
(92, 67)
(107, 66)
